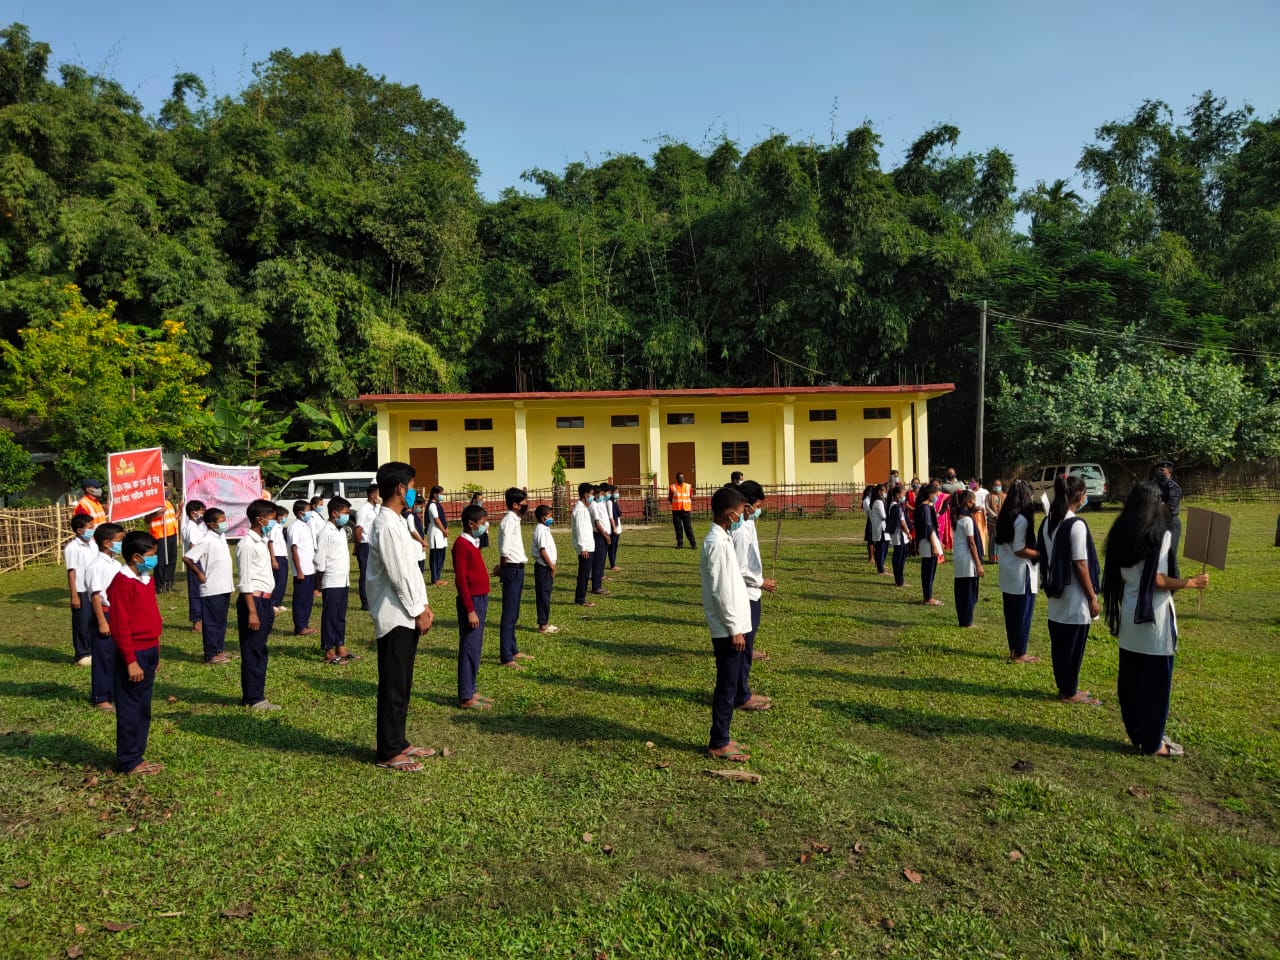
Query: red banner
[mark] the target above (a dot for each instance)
(135, 483)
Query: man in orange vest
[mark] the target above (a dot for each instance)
(680, 496)
(91, 503)
(164, 527)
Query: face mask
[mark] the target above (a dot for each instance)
(342, 519)
(549, 521)
(410, 497)
(997, 488)
(614, 496)
(149, 563)
(758, 514)
(198, 518)
(221, 526)
(87, 533)
(522, 509)
(735, 524)
(268, 527)
(116, 546)
(1085, 502)
(482, 529)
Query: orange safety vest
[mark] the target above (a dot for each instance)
(93, 508)
(164, 524)
(681, 496)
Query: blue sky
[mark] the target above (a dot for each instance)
(542, 84)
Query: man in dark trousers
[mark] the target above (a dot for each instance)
(680, 496)
(1171, 494)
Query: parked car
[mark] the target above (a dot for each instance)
(1095, 480)
(351, 486)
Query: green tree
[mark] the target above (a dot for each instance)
(16, 469)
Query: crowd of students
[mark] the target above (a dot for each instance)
(116, 622)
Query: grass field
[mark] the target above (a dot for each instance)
(890, 749)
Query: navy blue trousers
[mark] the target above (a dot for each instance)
(281, 573)
(470, 644)
(214, 632)
(436, 557)
(104, 666)
(928, 568)
(966, 596)
(194, 606)
(304, 598)
(728, 676)
(598, 559)
(253, 648)
(900, 564)
(543, 581)
(82, 627)
(744, 676)
(613, 549)
(512, 577)
(584, 578)
(1067, 641)
(882, 551)
(133, 707)
(333, 617)
(1018, 608)
(1143, 689)
(362, 561)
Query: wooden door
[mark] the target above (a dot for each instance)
(426, 467)
(680, 459)
(877, 459)
(626, 464)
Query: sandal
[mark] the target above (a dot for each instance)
(1082, 697)
(1171, 749)
(401, 764)
(422, 752)
(756, 703)
(334, 661)
(145, 768)
(732, 751)
(476, 703)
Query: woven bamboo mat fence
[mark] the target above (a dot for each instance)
(33, 536)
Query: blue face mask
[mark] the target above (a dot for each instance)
(410, 497)
(614, 496)
(149, 563)
(221, 526)
(87, 533)
(342, 519)
(116, 546)
(482, 529)
(734, 525)
(549, 521)
(268, 527)
(1085, 502)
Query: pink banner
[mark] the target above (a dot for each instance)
(135, 481)
(228, 488)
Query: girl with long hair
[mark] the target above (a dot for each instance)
(926, 530)
(899, 532)
(966, 560)
(1069, 569)
(868, 495)
(991, 511)
(1137, 595)
(879, 518)
(437, 536)
(1019, 567)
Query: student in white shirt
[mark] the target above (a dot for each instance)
(601, 522)
(255, 614)
(302, 552)
(511, 561)
(878, 517)
(584, 543)
(728, 611)
(401, 614)
(899, 532)
(927, 541)
(1019, 567)
(333, 582)
(108, 538)
(279, 559)
(210, 560)
(966, 556)
(437, 536)
(615, 530)
(746, 544)
(77, 555)
(192, 531)
(1070, 573)
(364, 520)
(544, 567)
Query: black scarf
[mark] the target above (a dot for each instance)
(1056, 575)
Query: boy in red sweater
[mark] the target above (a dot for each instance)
(135, 628)
(471, 577)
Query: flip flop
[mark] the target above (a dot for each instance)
(756, 703)
(423, 752)
(732, 752)
(476, 703)
(401, 765)
(334, 661)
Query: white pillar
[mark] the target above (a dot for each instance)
(655, 445)
(522, 447)
(789, 439)
(384, 436)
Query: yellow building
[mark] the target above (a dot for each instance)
(773, 435)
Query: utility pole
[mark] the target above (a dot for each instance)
(982, 389)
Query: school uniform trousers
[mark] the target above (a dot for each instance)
(133, 706)
(470, 645)
(1143, 688)
(82, 626)
(1018, 608)
(436, 556)
(253, 646)
(512, 577)
(900, 564)
(966, 597)
(928, 570)
(584, 577)
(543, 581)
(882, 551)
(362, 561)
(281, 575)
(195, 609)
(333, 617)
(1067, 642)
(396, 652)
(728, 678)
(744, 668)
(598, 557)
(304, 598)
(102, 682)
(217, 609)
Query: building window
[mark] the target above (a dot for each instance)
(735, 453)
(817, 415)
(734, 416)
(569, 423)
(420, 426)
(625, 420)
(679, 419)
(479, 458)
(876, 413)
(478, 423)
(822, 451)
(575, 458)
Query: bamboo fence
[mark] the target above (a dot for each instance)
(33, 536)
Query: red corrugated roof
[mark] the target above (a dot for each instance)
(936, 388)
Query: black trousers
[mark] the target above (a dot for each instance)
(928, 569)
(333, 617)
(470, 645)
(1175, 534)
(194, 607)
(682, 520)
(613, 549)
(512, 577)
(1143, 689)
(304, 598)
(744, 669)
(214, 632)
(253, 647)
(728, 676)
(1018, 608)
(82, 628)
(598, 558)
(900, 564)
(436, 558)
(966, 597)
(281, 574)
(396, 653)
(362, 561)
(882, 551)
(104, 667)
(1067, 641)
(584, 577)
(167, 569)
(133, 707)
(543, 581)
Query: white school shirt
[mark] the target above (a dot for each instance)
(214, 557)
(962, 560)
(98, 576)
(878, 520)
(724, 592)
(436, 538)
(412, 528)
(253, 558)
(746, 544)
(77, 555)
(583, 539)
(1073, 606)
(899, 536)
(543, 540)
(192, 532)
(511, 539)
(615, 514)
(980, 497)
(301, 536)
(600, 515)
(1014, 570)
(364, 517)
(1159, 638)
(394, 583)
(333, 563)
(279, 544)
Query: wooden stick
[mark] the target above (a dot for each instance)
(1200, 599)
(777, 540)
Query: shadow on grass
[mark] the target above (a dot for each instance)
(842, 648)
(165, 689)
(31, 652)
(629, 649)
(44, 690)
(617, 688)
(56, 746)
(929, 726)
(48, 596)
(336, 685)
(649, 618)
(923, 684)
(268, 733)
(571, 728)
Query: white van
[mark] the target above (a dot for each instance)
(1095, 480)
(350, 486)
